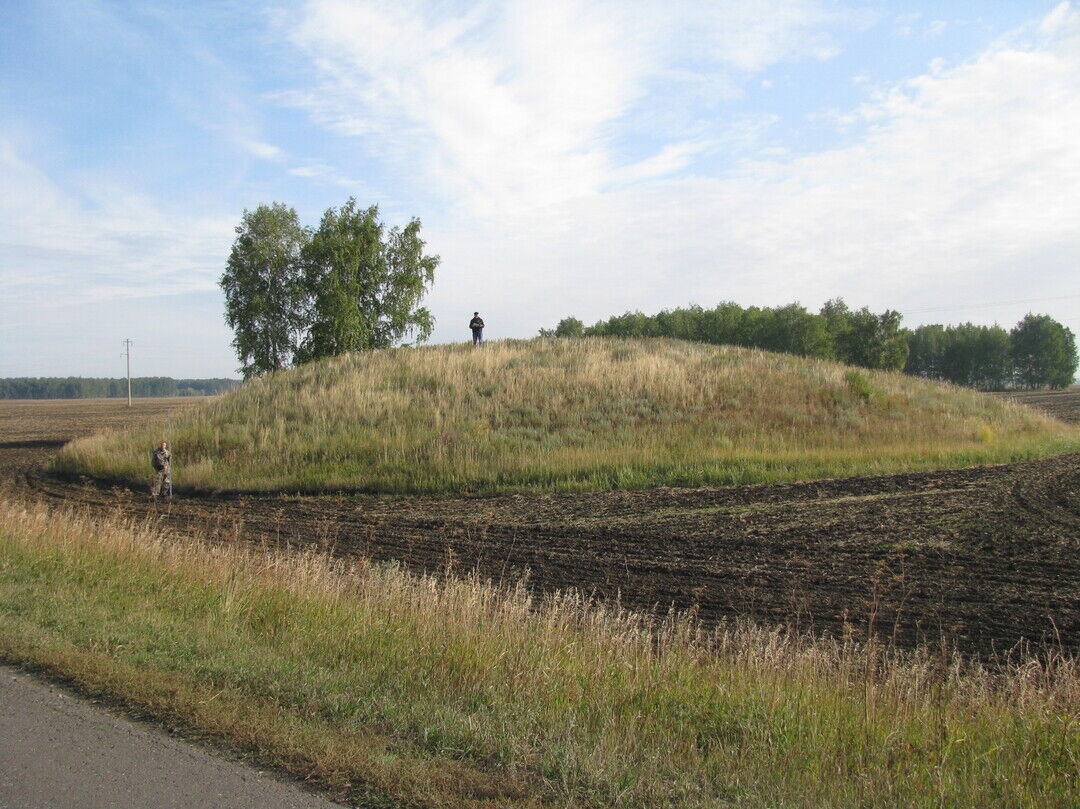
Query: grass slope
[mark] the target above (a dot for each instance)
(426, 692)
(589, 414)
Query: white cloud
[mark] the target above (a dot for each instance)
(82, 267)
(311, 170)
(323, 174)
(517, 104)
(671, 158)
(1062, 18)
(96, 242)
(904, 24)
(965, 188)
(572, 137)
(264, 151)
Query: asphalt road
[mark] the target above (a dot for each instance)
(58, 751)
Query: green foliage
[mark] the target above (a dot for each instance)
(353, 284)
(263, 293)
(863, 338)
(364, 282)
(570, 327)
(855, 337)
(792, 330)
(926, 348)
(78, 387)
(976, 356)
(860, 386)
(631, 324)
(1038, 352)
(1043, 353)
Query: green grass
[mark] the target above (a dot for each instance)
(570, 415)
(452, 693)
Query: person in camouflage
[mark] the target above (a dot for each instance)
(161, 459)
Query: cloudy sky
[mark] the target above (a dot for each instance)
(580, 157)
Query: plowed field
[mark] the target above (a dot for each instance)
(987, 557)
(1061, 404)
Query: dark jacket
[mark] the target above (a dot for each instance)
(476, 323)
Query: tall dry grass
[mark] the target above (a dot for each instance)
(590, 414)
(452, 692)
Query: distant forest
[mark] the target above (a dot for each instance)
(1038, 352)
(80, 387)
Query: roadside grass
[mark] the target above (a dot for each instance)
(569, 415)
(401, 690)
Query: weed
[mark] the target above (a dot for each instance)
(860, 386)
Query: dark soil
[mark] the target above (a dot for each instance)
(1062, 404)
(982, 558)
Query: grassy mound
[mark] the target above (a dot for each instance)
(589, 414)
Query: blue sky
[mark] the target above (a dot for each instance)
(577, 157)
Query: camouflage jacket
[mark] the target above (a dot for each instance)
(161, 458)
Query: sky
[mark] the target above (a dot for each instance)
(566, 157)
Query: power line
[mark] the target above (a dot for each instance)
(988, 305)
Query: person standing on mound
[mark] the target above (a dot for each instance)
(477, 326)
(161, 460)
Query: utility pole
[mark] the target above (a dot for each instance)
(127, 353)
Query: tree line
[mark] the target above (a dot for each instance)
(80, 387)
(1037, 352)
(294, 294)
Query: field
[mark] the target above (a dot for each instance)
(985, 557)
(444, 692)
(260, 622)
(1061, 404)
